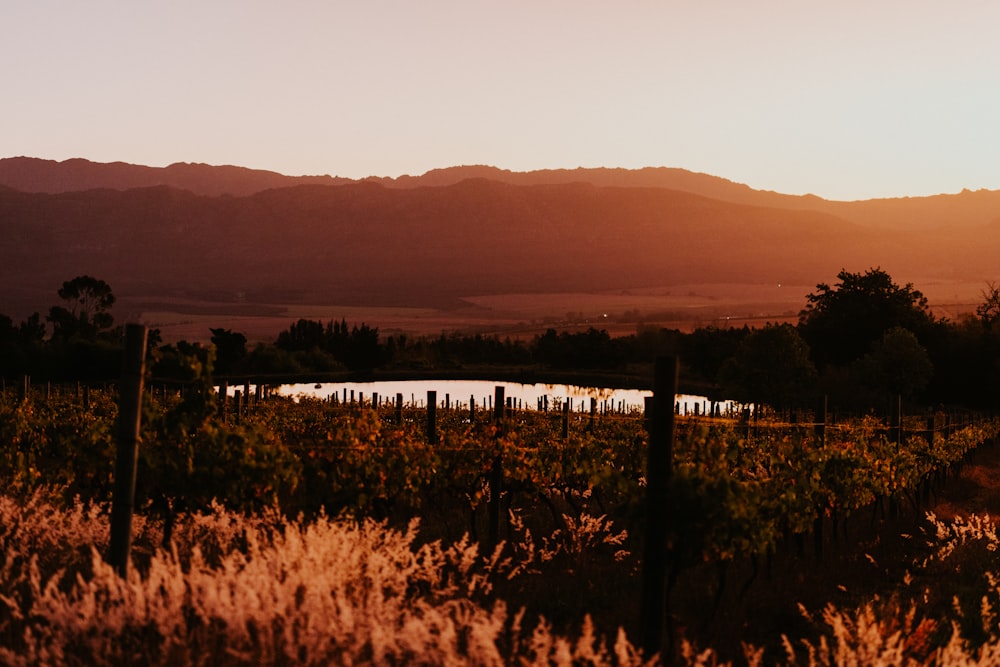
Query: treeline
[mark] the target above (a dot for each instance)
(861, 342)
(314, 346)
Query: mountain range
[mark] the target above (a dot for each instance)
(228, 233)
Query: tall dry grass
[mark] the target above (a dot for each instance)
(265, 590)
(262, 590)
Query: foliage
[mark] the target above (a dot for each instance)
(897, 365)
(772, 366)
(988, 311)
(261, 590)
(840, 325)
(705, 350)
(841, 322)
(20, 345)
(238, 589)
(356, 348)
(190, 457)
(86, 311)
(448, 350)
(590, 349)
(738, 488)
(736, 492)
(230, 350)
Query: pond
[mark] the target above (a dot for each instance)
(458, 393)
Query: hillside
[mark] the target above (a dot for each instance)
(48, 176)
(965, 209)
(457, 246)
(367, 243)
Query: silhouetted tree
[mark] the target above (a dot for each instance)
(706, 349)
(591, 349)
(649, 342)
(85, 313)
(32, 330)
(302, 335)
(324, 347)
(840, 323)
(773, 366)
(966, 361)
(896, 365)
(22, 346)
(230, 350)
(988, 311)
(363, 349)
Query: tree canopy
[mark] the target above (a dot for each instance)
(842, 322)
(85, 313)
(896, 365)
(771, 365)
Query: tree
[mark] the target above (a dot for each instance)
(772, 366)
(897, 365)
(706, 349)
(85, 314)
(302, 335)
(230, 349)
(593, 348)
(32, 330)
(363, 350)
(842, 322)
(988, 311)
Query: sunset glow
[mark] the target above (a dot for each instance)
(847, 100)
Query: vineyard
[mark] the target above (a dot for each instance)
(541, 509)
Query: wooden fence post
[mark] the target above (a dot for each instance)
(496, 472)
(399, 407)
(498, 404)
(565, 419)
(821, 421)
(432, 417)
(654, 605)
(129, 415)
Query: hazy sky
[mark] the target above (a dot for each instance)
(847, 100)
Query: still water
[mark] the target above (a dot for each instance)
(460, 392)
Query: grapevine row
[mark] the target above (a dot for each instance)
(735, 492)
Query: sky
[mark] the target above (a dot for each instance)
(845, 100)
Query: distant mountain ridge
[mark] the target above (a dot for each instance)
(451, 233)
(368, 244)
(965, 209)
(75, 175)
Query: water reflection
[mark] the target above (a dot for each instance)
(458, 393)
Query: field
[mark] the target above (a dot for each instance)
(683, 307)
(319, 533)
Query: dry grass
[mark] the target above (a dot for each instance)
(264, 590)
